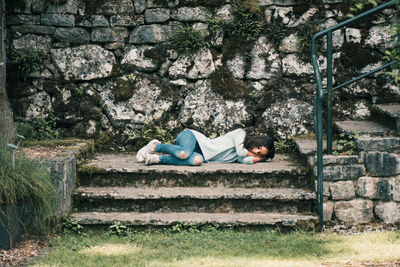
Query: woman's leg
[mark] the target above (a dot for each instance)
(185, 144)
(195, 159)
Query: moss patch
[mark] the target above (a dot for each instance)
(223, 83)
(124, 89)
(233, 46)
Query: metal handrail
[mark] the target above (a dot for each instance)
(321, 93)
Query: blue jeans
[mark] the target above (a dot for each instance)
(185, 142)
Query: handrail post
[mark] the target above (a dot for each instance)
(329, 97)
(320, 166)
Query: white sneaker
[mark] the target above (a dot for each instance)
(152, 159)
(147, 149)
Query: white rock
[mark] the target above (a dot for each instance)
(379, 37)
(41, 104)
(353, 35)
(292, 65)
(197, 66)
(85, 62)
(209, 112)
(265, 61)
(135, 57)
(236, 66)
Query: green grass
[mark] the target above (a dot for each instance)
(222, 248)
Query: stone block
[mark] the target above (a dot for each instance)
(325, 188)
(339, 160)
(23, 19)
(395, 188)
(39, 29)
(191, 14)
(156, 15)
(103, 35)
(92, 21)
(382, 164)
(150, 34)
(72, 35)
(328, 210)
(342, 190)
(140, 6)
(366, 143)
(58, 20)
(388, 212)
(126, 21)
(121, 7)
(354, 212)
(373, 188)
(342, 172)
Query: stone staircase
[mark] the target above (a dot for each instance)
(357, 189)
(117, 188)
(363, 188)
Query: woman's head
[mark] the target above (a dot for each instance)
(263, 144)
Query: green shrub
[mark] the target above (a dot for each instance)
(187, 39)
(38, 129)
(28, 185)
(27, 61)
(345, 145)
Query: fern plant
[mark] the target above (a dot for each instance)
(27, 61)
(187, 39)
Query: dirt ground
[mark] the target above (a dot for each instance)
(22, 254)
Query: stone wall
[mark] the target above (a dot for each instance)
(108, 67)
(364, 188)
(63, 171)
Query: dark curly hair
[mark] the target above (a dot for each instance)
(252, 141)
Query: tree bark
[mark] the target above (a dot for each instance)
(7, 126)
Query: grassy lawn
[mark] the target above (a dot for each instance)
(191, 247)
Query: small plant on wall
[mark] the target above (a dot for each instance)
(187, 39)
(247, 25)
(27, 60)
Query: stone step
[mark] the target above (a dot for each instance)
(194, 219)
(388, 114)
(369, 128)
(123, 170)
(193, 199)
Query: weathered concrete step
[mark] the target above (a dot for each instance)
(123, 170)
(388, 114)
(193, 218)
(370, 128)
(194, 199)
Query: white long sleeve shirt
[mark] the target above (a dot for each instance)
(226, 148)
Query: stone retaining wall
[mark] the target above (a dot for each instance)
(108, 68)
(361, 189)
(63, 171)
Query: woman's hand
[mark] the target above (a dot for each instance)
(258, 159)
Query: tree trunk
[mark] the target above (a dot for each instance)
(7, 126)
